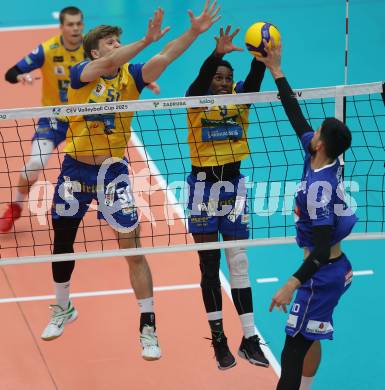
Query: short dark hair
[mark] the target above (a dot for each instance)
(92, 38)
(336, 136)
(69, 11)
(226, 64)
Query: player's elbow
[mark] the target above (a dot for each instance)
(11, 75)
(109, 64)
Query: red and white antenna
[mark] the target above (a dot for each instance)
(346, 40)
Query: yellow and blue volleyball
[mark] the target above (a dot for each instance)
(255, 35)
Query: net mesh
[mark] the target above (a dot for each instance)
(159, 163)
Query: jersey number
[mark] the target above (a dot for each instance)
(113, 96)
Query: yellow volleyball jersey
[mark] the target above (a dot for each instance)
(101, 134)
(218, 135)
(55, 62)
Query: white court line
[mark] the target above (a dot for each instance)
(130, 290)
(225, 283)
(363, 272)
(97, 293)
(38, 27)
(267, 280)
(266, 350)
(355, 273)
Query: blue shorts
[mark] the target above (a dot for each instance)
(312, 311)
(52, 129)
(79, 184)
(214, 208)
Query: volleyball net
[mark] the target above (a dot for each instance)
(159, 163)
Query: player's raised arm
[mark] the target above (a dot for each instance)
(287, 96)
(96, 48)
(199, 24)
(224, 45)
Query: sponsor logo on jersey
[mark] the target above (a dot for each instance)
(99, 89)
(200, 221)
(319, 327)
(292, 321)
(58, 59)
(59, 70)
(245, 219)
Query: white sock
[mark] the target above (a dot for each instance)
(306, 382)
(62, 291)
(247, 321)
(19, 198)
(146, 305)
(214, 315)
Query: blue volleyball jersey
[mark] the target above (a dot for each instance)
(320, 200)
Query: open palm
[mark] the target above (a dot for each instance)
(225, 41)
(154, 29)
(206, 19)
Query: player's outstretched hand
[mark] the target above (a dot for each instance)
(284, 295)
(206, 19)
(225, 41)
(273, 58)
(154, 28)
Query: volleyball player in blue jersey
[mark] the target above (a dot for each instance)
(323, 220)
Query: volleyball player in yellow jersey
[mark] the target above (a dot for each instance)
(94, 167)
(217, 137)
(54, 57)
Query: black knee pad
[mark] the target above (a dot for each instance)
(209, 265)
(62, 270)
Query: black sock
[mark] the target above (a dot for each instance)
(216, 327)
(147, 319)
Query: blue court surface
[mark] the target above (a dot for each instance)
(313, 35)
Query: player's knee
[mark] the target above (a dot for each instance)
(62, 271)
(209, 265)
(62, 245)
(129, 239)
(238, 267)
(292, 359)
(32, 169)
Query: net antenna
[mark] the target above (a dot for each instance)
(343, 117)
(346, 41)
